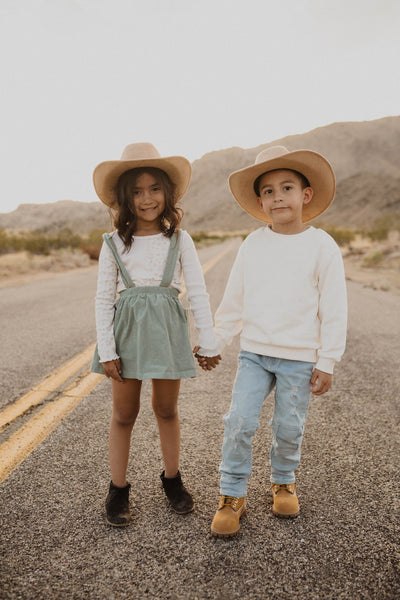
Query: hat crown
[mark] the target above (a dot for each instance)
(270, 153)
(140, 151)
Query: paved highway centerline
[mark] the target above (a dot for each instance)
(22, 443)
(48, 385)
(28, 437)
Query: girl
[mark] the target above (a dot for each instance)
(145, 335)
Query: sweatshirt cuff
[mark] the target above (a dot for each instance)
(326, 365)
(207, 352)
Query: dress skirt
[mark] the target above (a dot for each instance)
(151, 335)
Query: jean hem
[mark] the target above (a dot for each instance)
(232, 493)
(282, 482)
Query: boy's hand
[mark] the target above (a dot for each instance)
(207, 363)
(112, 368)
(320, 382)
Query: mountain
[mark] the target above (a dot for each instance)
(80, 217)
(365, 156)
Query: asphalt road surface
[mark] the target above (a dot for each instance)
(344, 545)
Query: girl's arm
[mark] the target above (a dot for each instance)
(198, 296)
(104, 305)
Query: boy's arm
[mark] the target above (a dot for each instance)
(228, 318)
(332, 309)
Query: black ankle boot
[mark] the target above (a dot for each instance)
(179, 498)
(117, 506)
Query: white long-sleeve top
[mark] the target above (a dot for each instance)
(286, 296)
(145, 262)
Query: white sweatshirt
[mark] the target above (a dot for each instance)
(145, 262)
(286, 296)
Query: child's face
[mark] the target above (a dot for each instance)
(282, 198)
(148, 198)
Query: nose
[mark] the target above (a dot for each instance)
(147, 195)
(276, 196)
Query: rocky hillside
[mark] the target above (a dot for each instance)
(81, 217)
(364, 156)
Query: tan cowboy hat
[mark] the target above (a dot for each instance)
(106, 174)
(311, 164)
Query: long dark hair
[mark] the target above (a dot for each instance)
(125, 218)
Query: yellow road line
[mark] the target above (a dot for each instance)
(213, 261)
(22, 443)
(48, 385)
(14, 451)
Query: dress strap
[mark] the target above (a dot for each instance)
(107, 237)
(171, 259)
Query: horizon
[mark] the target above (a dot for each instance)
(96, 199)
(85, 78)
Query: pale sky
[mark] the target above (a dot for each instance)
(81, 79)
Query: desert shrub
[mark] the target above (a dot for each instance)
(9, 242)
(203, 238)
(91, 245)
(373, 260)
(65, 239)
(341, 236)
(95, 237)
(382, 226)
(93, 252)
(37, 242)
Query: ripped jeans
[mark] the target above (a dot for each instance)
(255, 378)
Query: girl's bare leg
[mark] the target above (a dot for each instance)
(165, 406)
(126, 404)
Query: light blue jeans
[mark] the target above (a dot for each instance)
(256, 376)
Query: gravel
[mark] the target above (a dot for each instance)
(344, 545)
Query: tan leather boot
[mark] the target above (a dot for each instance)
(226, 519)
(286, 503)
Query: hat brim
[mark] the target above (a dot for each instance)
(106, 175)
(312, 165)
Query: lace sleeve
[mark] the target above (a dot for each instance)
(198, 296)
(104, 305)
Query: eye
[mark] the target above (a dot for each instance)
(136, 192)
(287, 188)
(156, 188)
(266, 192)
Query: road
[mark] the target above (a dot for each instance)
(345, 544)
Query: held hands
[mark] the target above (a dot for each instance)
(320, 382)
(112, 368)
(207, 363)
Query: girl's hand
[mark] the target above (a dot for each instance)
(320, 382)
(112, 368)
(207, 363)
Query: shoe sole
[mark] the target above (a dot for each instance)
(182, 512)
(285, 515)
(224, 534)
(118, 524)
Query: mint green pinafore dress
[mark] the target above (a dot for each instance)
(150, 326)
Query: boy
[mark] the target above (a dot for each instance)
(286, 296)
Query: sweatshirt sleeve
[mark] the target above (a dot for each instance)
(228, 318)
(332, 308)
(198, 296)
(104, 305)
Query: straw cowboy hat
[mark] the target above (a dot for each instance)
(106, 174)
(311, 164)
